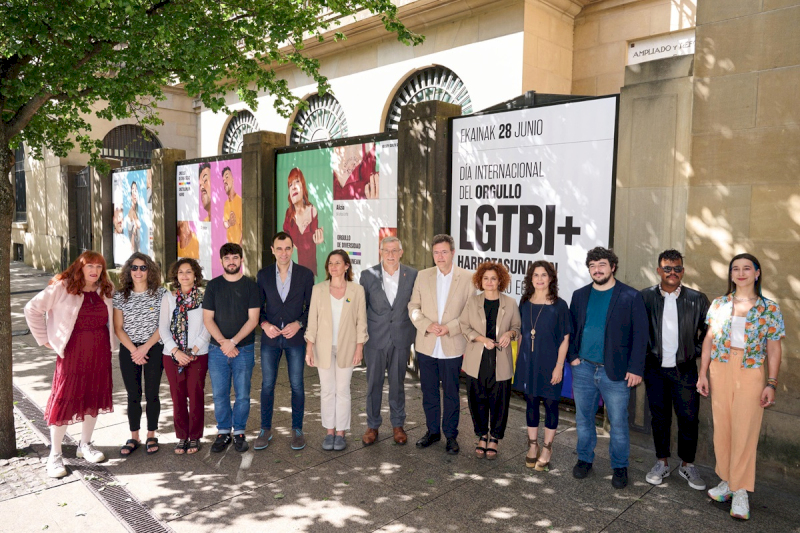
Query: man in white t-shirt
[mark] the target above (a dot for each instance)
(676, 318)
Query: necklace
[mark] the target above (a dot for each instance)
(533, 326)
(735, 299)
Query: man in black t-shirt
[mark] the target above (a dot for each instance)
(231, 307)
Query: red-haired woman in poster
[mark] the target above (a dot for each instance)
(301, 221)
(73, 316)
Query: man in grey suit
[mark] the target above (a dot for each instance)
(387, 287)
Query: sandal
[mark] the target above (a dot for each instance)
(193, 446)
(544, 467)
(491, 453)
(480, 451)
(530, 462)
(180, 447)
(130, 446)
(152, 445)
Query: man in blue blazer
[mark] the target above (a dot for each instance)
(607, 354)
(388, 287)
(286, 292)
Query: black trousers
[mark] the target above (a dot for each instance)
(489, 406)
(669, 388)
(441, 412)
(132, 377)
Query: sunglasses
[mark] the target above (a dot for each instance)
(669, 270)
(143, 268)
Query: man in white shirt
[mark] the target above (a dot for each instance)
(676, 318)
(440, 294)
(387, 287)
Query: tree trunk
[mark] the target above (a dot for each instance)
(8, 439)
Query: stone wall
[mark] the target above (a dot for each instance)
(744, 192)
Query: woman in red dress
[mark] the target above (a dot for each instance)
(73, 316)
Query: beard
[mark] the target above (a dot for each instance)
(233, 269)
(602, 281)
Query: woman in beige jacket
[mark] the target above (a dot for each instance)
(73, 316)
(490, 321)
(335, 337)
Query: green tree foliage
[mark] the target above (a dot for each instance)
(62, 61)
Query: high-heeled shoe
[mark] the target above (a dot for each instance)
(491, 453)
(544, 467)
(530, 462)
(480, 451)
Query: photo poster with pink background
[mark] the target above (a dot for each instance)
(204, 223)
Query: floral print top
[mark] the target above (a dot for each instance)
(763, 322)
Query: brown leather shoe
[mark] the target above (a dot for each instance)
(370, 436)
(400, 436)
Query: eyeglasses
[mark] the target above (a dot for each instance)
(390, 252)
(669, 270)
(143, 268)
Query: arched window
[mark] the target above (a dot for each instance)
(323, 120)
(433, 83)
(131, 144)
(241, 123)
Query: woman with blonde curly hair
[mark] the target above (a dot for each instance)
(489, 321)
(137, 306)
(73, 317)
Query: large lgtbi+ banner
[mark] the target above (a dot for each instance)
(131, 194)
(342, 196)
(534, 184)
(209, 209)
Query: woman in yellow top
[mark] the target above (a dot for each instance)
(744, 329)
(335, 337)
(188, 245)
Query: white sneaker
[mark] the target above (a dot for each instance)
(55, 466)
(657, 474)
(721, 492)
(90, 453)
(740, 508)
(692, 476)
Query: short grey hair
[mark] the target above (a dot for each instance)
(390, 239)
(443, 237)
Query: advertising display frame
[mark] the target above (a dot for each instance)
(452, 124)
(280, 198)
(149, 205)
(213, 267)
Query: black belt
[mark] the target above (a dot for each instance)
(592, 362)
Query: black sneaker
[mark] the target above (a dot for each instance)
(620, 478)
(581, 469)
(221, 442)
(239, 443)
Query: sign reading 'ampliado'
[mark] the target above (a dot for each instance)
(534, 184)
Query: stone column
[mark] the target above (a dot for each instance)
(258, 197)
(423, 178)
(654, 146)
(103, 212)
(163, 165)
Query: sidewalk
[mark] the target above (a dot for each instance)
(383, 487)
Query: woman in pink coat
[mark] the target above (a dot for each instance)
(73, 316)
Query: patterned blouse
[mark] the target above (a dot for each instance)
(763, 322)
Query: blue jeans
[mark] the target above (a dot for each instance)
(295, 361)
(589, 382)
(223, 371)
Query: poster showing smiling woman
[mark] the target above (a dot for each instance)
(131, 192)
(341, 194)
(209, 209)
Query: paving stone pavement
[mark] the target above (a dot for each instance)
(383, 487)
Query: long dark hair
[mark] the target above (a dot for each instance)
(153, 275)
(552, 287)
(756, 263)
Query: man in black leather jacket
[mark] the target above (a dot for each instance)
(676, 318)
